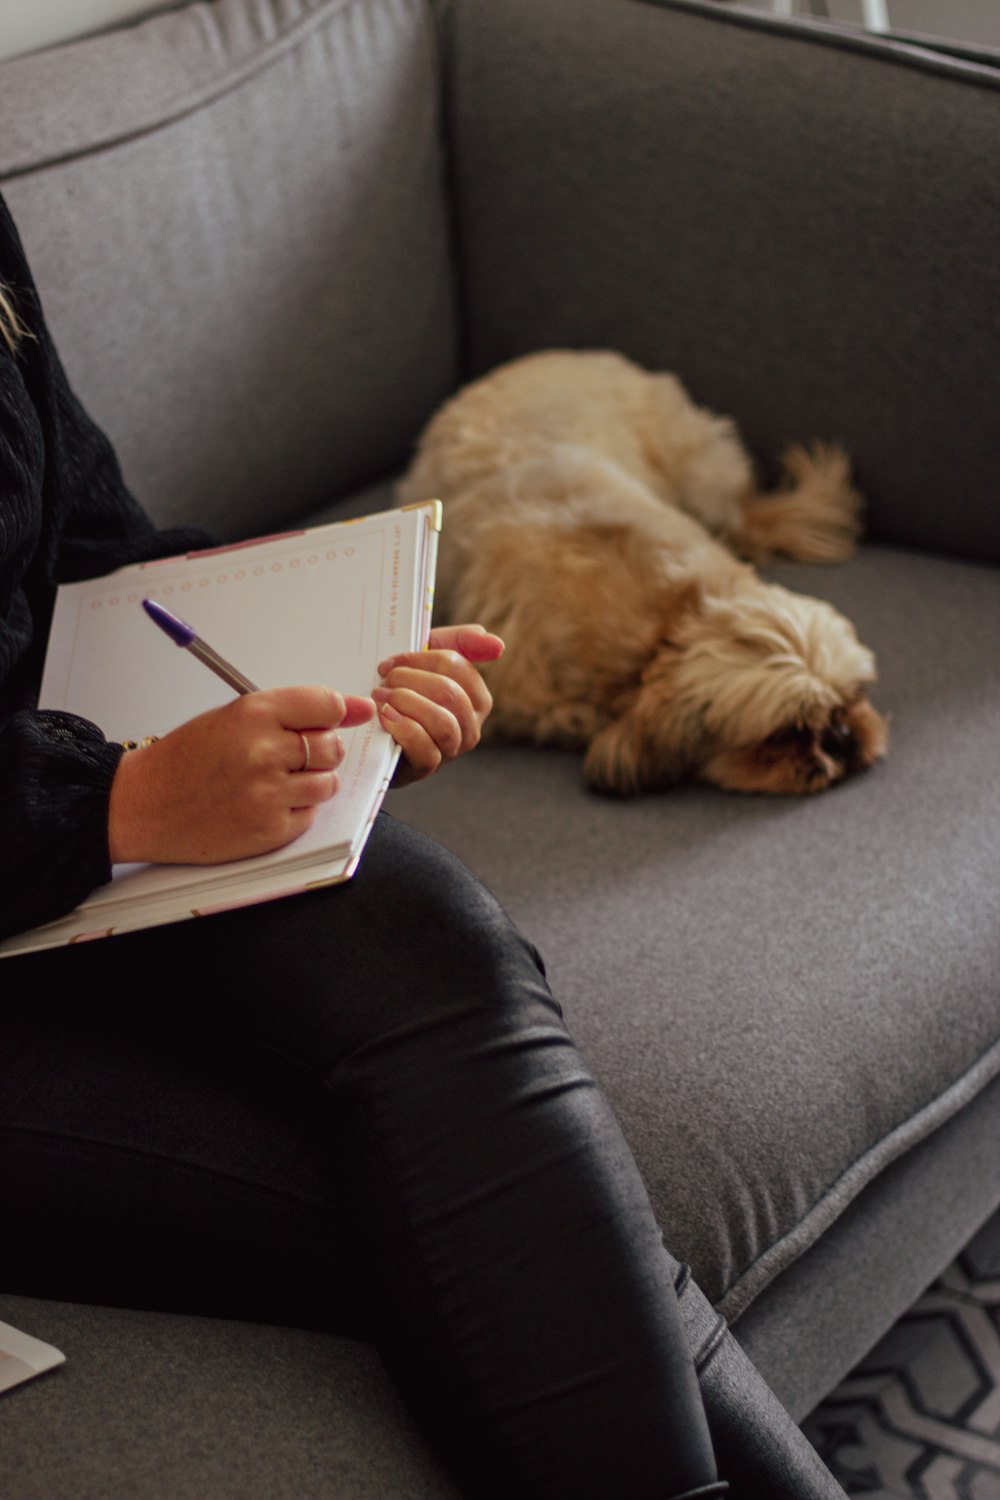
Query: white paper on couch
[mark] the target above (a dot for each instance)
(23, 1357)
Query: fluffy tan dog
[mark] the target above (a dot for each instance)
(583, 498)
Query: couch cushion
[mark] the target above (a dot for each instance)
(151, 1407)
(234, 211)
(782, 998)
(802, 222)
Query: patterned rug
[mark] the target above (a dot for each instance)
(919, 1419)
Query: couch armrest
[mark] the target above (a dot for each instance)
(801, 222)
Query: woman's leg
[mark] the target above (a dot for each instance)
(518, 1284)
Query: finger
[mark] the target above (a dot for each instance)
(438, 722)
(469, 642)
(356, 710)
(314, 750)
(444, 676)
(438, 704)
(316, 707)
(475, 642)
(311, 788)
(421, 754)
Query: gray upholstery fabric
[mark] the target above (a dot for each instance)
(803, 224)
(256, 299)
(151, 1407)
(815, 1321)
(781, 998)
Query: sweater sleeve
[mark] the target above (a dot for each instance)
(55, 781)
(65, 514)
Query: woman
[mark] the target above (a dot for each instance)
(357, 1108)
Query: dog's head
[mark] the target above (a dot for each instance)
(752, 688)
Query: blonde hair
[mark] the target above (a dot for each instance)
(12, 330)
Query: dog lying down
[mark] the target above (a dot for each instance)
(595, 519)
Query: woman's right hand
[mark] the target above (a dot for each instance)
(230, 783)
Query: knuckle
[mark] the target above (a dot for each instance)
(455, 740)
(453, 696)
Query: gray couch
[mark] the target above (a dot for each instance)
(272, 235)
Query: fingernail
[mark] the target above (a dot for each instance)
(387, 711)
(385, 667)
(380, 694)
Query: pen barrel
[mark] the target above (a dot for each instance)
(222, 668)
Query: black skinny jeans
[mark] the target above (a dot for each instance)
(360, 1109)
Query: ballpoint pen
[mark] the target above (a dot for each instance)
(183, 635)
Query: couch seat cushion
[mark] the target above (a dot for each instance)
(781, 997)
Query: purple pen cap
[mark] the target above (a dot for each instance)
(179, 633)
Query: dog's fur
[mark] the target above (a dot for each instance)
(581, 497)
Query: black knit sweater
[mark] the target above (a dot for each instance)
(65, 514)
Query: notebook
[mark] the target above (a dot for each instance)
(323, 605)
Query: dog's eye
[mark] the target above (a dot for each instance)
(783, 738)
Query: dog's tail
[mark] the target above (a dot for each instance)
(814, 515)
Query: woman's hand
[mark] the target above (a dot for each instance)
(232, 782)
(434, 703)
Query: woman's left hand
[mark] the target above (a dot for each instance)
(434, 703)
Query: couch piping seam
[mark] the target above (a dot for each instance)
(892, 1145)
(884, 47)
(201, 96)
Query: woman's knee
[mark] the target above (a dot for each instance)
(414, 942)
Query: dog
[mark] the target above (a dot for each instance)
(605, 526)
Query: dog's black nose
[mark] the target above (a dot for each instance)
(838, 741)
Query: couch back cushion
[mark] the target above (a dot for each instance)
(802, 223)
(235, 214)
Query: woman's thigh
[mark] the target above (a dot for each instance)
(365, 1091)
(183, 1102)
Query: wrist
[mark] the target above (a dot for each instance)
(128, 832)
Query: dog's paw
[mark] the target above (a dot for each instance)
(612, 764)
(814, 517)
